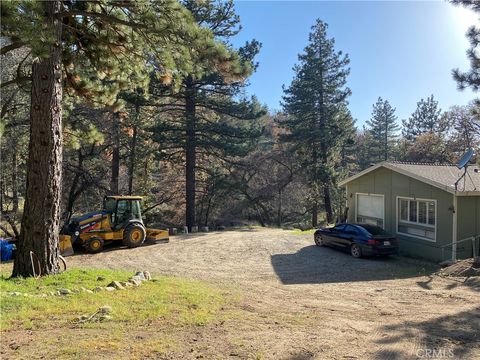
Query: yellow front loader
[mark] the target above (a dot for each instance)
(120, 220)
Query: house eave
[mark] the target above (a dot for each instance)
(467, 193)
(386, 165)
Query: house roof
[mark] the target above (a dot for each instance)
(438, 175)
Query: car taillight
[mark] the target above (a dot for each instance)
(372, 242)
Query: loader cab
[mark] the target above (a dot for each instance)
(123, 210)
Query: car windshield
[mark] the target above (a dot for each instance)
(374, 230)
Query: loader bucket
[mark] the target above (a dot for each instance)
(157, 235)
(65, 245)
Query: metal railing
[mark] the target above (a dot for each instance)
(473, 239)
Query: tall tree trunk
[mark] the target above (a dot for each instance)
(314, 215)
(207, 212)
(133, 151)
(41, 215)
(14, 181)
(133, 155)
(115, 154)
(1, 191)
(190, 154)
(145, 172)
(74, 193)
(328, 203)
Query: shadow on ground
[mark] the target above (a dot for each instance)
(110, 246)
(118, 245)
(314, 265)
(454, 336)
(472, 282)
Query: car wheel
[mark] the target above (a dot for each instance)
(355, 251)
(318, 239)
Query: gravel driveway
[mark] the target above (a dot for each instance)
(300, 301)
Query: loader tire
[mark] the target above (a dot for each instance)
(134, 235)
(94, 245)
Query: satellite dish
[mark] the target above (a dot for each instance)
(465, 159)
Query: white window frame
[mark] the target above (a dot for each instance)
(397, 213)
(368, 194)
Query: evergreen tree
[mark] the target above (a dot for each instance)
(315, 103)
(206, 115)
(470, 78)
(364, 149)
(426, 118)
(465, 125)
(90, 50)
(383, 129)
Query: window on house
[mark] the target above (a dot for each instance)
(422, 212)
(431, 213)
(403, 209)
(370, 209)
(412, 211)
(416, 218)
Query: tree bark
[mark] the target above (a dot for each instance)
(133, 155)
(328, 203)
(145, 172)
(133, 151)
(2, 185)
(41, 216)
(74, 193)
(207, 212)
(190, 153)
(209, 207)
(115, 154)
(14, 181)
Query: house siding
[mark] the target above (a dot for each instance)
(468, 224)
(392, 184)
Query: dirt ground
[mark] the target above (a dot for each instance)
(299, 301)
(304, 302)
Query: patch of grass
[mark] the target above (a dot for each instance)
(169, 300)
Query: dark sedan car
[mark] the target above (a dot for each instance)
(359, 239)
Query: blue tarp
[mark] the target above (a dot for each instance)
(6, 250)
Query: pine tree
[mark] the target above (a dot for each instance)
(470, 78)
(314, 102)
(426, 118)
(209, 117)
(383, 128)
(465, 125)
(89, 50)
(364, 149)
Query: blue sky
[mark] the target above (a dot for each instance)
(401, 51)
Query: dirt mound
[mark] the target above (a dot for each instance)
(462, 268)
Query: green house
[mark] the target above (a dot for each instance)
(430, 208)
